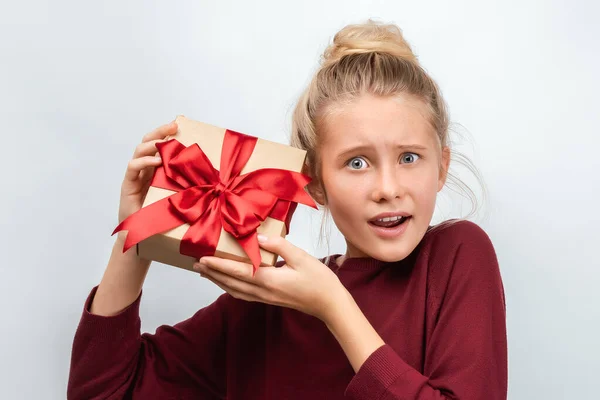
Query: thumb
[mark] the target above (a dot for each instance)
(276, 244)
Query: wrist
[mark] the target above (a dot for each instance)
(342, 304)
(129, 256)
(354, 332)
(120, 239)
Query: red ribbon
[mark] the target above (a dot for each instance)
(209, 200)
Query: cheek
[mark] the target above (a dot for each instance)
(345, 199)
(341, 186)
(339, 192)
(426, 189)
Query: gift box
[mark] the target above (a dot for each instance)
(192, 209)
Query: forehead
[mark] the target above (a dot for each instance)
(377, 121)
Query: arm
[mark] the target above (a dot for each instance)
(354, 332)
(125, 273)
(111, 360)
(122, 281)
(466, 354)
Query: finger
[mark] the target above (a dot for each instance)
(278, 245)
(242, 290)
(161, 132)
(233, 283)
(232, 292)
(138, 164)
(146, 148)
(233, 268)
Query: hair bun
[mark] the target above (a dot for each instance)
(369, 37)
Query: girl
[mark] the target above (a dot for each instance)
(408, 312)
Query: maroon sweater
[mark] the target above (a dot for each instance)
(440, 311)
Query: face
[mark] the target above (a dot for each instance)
(381, 159)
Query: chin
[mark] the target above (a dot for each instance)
(392, 252)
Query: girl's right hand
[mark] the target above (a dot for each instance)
(140, 170)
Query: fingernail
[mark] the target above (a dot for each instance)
(203, 261)
(261, 238)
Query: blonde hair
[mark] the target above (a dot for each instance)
(371, 58)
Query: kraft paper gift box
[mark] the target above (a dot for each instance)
(215, 190)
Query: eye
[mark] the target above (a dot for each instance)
(409, 158)
(357, 163)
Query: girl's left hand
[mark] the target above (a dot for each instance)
(303, 283)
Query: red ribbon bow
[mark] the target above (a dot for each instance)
(209, 200)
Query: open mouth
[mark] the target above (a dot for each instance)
(389, 222)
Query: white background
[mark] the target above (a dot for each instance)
(82, 82)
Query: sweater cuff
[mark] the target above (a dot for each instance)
(378, 372)
(114, 327)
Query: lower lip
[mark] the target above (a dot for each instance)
(390, 233)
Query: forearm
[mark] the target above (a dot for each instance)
(365, 349)
(353, 331)
(122, 281)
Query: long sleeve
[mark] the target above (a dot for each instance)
(466, 352)
(111, 359)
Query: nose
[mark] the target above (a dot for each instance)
(387, 185)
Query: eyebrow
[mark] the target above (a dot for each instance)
(354, 149)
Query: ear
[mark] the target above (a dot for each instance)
(314, 187)
(444, 165)
(317, 193)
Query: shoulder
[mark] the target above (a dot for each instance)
(459, 250)
(461, 263)
(455, 235)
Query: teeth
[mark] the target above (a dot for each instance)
(388, 219)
